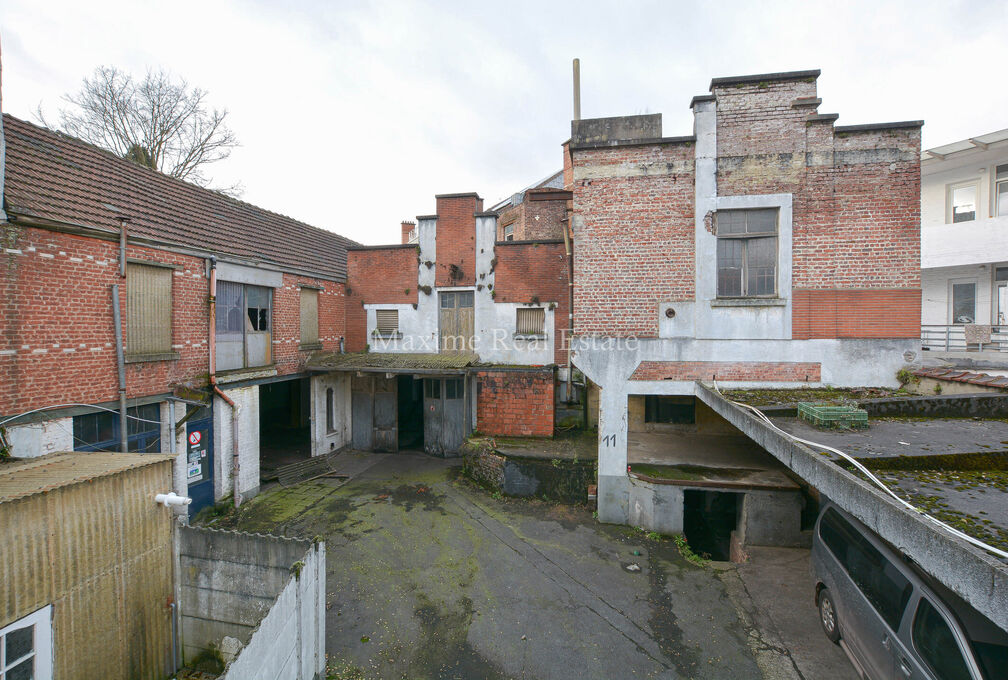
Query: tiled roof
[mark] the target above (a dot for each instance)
(38, 475)
(334, 361)
(56, 177)
(959, 375)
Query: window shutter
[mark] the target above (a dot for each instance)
(530, 321)
(309, 316)
(388, 321)
(148, 309)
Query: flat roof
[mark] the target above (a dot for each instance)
(29, 476)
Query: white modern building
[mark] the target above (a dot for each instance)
(964, 242)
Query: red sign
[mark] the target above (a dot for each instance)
(194, 437)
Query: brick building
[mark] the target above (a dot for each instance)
(536, 212)
(771, 247)
(462, 331)
(82, 223)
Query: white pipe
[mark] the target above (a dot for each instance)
(171, 498)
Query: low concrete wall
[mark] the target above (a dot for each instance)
(976, 576)
(267, 592)
(986, 405)
(561, 480)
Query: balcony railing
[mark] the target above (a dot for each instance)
(956, 339)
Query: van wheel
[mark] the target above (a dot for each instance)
(827, 615)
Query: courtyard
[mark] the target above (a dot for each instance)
(431, 577)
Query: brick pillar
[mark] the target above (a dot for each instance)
(407, 227)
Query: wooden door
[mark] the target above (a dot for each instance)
(385, 415)
(433, 423)
(457, 322)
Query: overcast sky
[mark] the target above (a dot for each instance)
(352, 115)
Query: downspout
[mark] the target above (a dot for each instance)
(120, 361)
(212, 344)
(568, 238)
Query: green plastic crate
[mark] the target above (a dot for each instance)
(833, 417)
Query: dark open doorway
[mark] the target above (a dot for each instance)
(284, 419)
(709, 517)
(411, 417)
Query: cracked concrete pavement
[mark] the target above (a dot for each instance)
(429, 577)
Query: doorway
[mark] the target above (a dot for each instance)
(374, 413)
(444, 415)
(199, 460)
(456, 322)
(709, 518)
(284, 425)
(411, 413)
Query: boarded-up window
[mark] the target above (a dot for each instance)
(531, 321)
(309, 316)
(148, 310)
(387, 321)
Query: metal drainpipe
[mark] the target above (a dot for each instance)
(117, 320)
(568, 238)
(211, 343)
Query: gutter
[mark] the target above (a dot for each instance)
(212, 343)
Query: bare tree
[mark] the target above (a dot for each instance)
(157, 122)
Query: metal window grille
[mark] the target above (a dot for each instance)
(530, 321)
(148, 309)
(387, 321)
(309, 316)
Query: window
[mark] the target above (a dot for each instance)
(100, 431)
(243, 325)
(26, 647)
(1001, 190)
(387, 321)
(309, 319)
(148, 312)
(330, 410)
(509, 232)
(680, 410)
(878, 579)
(453, 388)
(962, 202)
(432, 388)
(963, 300)
(936, 643)
(747, 253)
(530, 321)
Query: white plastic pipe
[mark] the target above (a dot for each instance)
(171, 498)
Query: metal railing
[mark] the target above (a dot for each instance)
(954, 339)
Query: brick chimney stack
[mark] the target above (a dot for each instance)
(407, 227)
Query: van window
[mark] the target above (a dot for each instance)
(936, 644)
(884, 586)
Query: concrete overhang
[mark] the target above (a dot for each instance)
(977, 576)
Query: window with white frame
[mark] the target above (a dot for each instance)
(509, 232)
(530, 321)
(747, 253)
(26, 647)
(1001, 190)
(962, 202)
(387, 321)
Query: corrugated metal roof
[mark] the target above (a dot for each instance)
(22, 478)
(334, 361)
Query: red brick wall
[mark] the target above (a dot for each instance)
(377, 275)
(635, 247)
(535, 271)
(287, 320)
(873, 313)
(56, 332)
(515, 403)
(749, 371)
(456, 238)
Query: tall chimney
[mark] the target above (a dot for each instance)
(577, 89)
(407, 228)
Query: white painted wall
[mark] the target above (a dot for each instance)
(247, 401)
(322, 440)
(936, 291)
(38, 439)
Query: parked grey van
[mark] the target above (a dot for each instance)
(893, 620)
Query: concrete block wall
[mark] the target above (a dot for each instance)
(247, 401)
(267, 592)
(38, 439)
